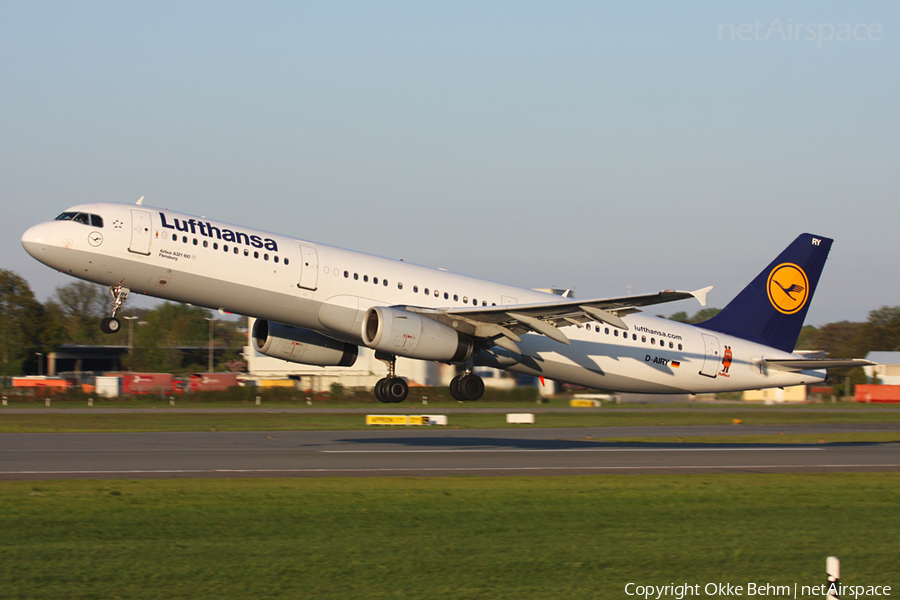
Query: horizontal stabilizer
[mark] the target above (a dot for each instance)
(794, 365)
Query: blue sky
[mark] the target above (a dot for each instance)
(600, 146)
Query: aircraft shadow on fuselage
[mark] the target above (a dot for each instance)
(582, 351)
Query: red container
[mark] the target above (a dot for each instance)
(877, 393)
(146, 383)
(212, 382)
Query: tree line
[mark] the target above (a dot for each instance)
(72, 316)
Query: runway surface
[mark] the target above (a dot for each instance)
(432, 452)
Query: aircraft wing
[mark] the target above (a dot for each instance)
(812, 364)
(505, 324)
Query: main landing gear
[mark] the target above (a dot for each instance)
(391, 389)
(119, 295)
(466, 387)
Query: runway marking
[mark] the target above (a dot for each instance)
(507, 450)
(443, 469)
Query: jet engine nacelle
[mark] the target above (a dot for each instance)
(303, 346)
(404, 333)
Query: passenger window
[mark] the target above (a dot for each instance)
(196, 241)
(265, 257)
(184, 239)
(426, 291)
(436, 293)
(606, 330)
(384, 282)
(255, 254)
(615, 333)
(205, 244)
(286, 261)
(366, 278)
(679, 346)
(356, 276)
(346, 274)
(375, 280)
(455, 298)
(465, 299)
(235, 249)
(225, 247)
(96, 221)
(246, 252)
(399, 286)
(415, 289)
(446, 296)
(215, 245)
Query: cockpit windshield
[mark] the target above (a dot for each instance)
(84, 218)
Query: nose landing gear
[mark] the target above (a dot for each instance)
(390, 389)
(119, 295)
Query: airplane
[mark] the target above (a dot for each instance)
(318, 304)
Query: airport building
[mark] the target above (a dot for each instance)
(887, 371)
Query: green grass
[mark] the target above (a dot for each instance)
(264, 420)
(441, 538)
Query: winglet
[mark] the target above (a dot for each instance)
(700, 294)
(140, 201)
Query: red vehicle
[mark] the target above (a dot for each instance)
(212, 382)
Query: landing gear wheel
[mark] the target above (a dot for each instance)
(454, 389)
(471, 386)
(467, 387)
(379, 391)
(395, 390)
(110, 325)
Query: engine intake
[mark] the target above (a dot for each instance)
(403, 333)
(302, 346)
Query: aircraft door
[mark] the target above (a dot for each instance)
(309, 268)
(711, 357)
(141, 232)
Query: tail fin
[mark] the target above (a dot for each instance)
(772, 308)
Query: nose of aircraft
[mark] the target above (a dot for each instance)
(36, 239)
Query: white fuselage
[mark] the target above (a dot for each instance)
(328, 289)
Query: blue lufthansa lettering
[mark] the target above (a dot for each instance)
(211, 231)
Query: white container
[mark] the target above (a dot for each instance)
(520, 418)
(108, 387)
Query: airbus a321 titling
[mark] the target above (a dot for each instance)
(317, 304)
